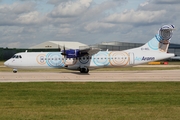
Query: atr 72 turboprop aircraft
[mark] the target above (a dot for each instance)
(91, 58)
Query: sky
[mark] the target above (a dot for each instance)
(25, 23)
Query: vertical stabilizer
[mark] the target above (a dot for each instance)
(161, 40)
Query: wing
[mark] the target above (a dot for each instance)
(75, 53)
(89, 51)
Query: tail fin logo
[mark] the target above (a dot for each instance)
(165, 32)
(161, 40)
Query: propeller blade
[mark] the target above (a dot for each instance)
(59, 48)
(64, 51)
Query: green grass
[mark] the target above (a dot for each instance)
(174, 62)
(90, 101)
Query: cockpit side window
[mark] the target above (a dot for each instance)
(14, 56)
(17, 56)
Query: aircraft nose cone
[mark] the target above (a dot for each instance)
(6, 63)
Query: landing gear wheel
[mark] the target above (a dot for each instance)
(14, 70)
(84, 70)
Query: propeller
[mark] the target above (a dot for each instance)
(59, 48)
(64, 51)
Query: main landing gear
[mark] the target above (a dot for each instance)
(84, 70)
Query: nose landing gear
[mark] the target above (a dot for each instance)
(14, 70)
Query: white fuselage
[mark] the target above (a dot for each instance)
(27, 60)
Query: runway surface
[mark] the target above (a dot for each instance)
(111, 76)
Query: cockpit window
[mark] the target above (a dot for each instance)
(17, 56)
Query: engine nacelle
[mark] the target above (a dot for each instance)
(72, 53)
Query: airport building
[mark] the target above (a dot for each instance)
(117, 46)
(58, 45)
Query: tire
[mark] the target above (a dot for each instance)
(84, 70)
